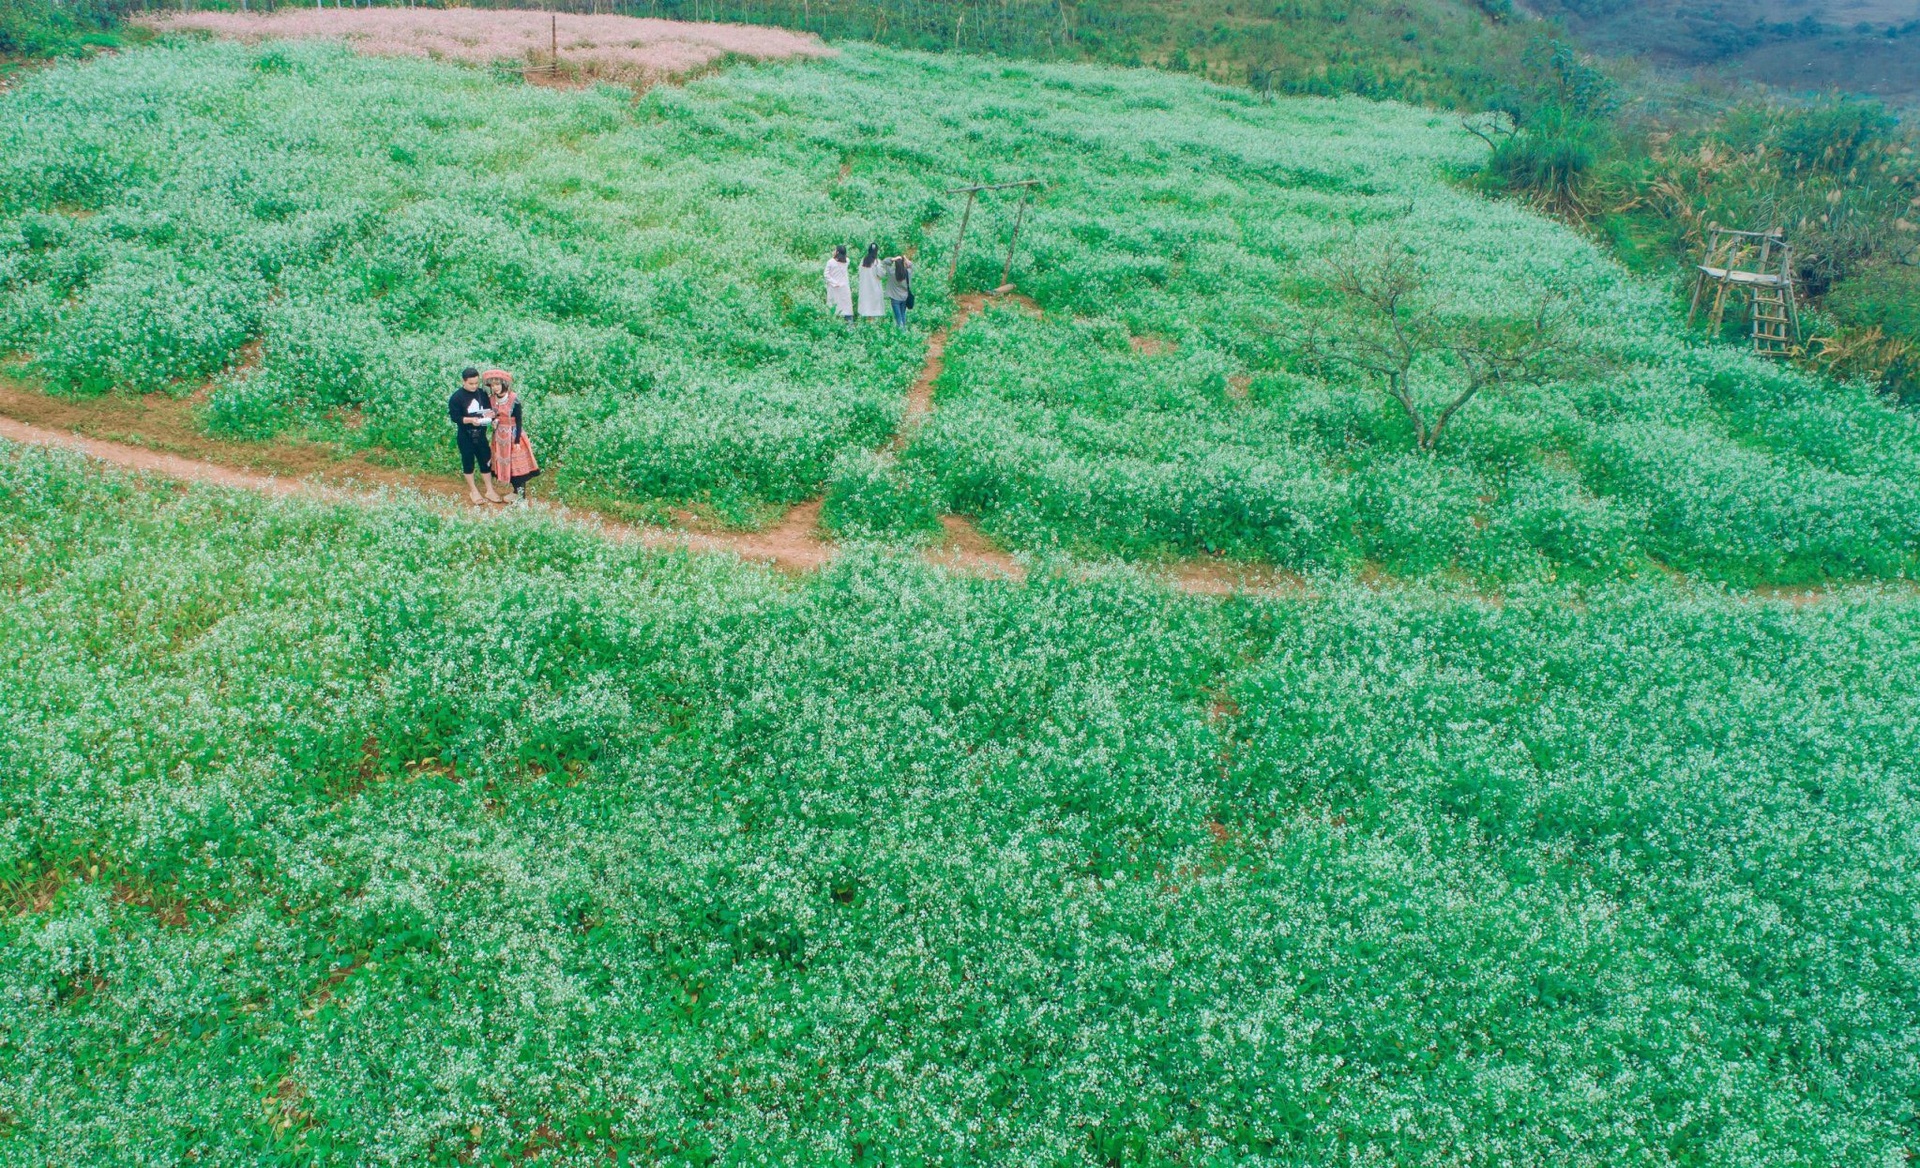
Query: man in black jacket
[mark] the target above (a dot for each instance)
(470, 410)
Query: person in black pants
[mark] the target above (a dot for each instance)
(470, 410)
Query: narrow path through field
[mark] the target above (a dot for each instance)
(158, 425)
(920, 395)
(794, 544)
(797, 538)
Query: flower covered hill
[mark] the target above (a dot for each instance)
(358, 833)
(890, 866)
(652, 269)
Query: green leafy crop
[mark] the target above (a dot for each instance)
(337, 836)
(322, 241)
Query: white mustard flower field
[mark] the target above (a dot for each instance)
(320, 241)
(1526, 828)
(890, 866)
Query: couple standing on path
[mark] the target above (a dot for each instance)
(888, 281)
(505, 456)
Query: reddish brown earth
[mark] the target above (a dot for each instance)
(920, 395)
(964, 549)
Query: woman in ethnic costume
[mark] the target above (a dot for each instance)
(513, 462)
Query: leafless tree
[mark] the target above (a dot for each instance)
(1385, 328)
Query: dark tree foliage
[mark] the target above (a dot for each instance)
(58, 28)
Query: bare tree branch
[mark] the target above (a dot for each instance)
(1386, 330)
(1492, 124)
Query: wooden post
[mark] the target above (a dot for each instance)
(973, 192)
(1007, 271)
(555, 29)
(954, 270)
(1700, 279)
(1786, 285)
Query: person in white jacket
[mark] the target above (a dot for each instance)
(873, 295)
(839, 294)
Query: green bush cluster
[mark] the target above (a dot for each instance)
(1840, 177)
(338, 836)
(872, 497)
(60, 28)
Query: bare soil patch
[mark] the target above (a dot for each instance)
(159, 426)
(963, 549)
(1225, 578)
(619, 48)
(154, 462)
(795, 543)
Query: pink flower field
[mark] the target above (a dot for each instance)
(623, 47)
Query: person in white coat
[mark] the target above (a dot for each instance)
(839, 294)
(873, 294)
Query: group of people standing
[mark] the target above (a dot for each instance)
(883, 283)
(489, 425)
(490, 431)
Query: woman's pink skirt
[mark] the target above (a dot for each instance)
(513, 456)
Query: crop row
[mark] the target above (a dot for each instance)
(651, 268)
(350, 836)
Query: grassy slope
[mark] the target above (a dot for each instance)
(725, 863)
(1856, 48)
(339, 836)
(1439, 52)
(1430, 51)
(652, 270)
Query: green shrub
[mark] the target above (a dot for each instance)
(59, 28)
(1831, 136)
(1883, 303)
(1887, 297)
(1551, 156)
(873, 497)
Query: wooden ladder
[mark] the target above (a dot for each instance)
(1760, 263)
(1773, 325)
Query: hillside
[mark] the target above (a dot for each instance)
(888, 865)
(1553, 801)
(323, 264)
(1804, 46)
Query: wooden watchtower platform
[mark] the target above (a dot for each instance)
(1760, 263)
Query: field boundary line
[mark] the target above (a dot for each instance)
(965, 552)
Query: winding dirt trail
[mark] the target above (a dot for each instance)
(164, 440)
(795, 544)
(139, 458)
(797, 541)
(920, 395)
